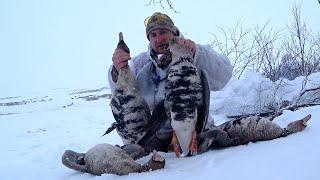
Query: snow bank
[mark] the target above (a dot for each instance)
(35, 135)
(254, 93)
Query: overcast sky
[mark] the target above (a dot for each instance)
(49, 44)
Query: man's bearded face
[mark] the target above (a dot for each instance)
(159, 40)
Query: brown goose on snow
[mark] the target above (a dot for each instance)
(105, 158)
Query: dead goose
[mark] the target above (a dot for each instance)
(187, 99)
(105, 158)
(243, 131)
(129, 109)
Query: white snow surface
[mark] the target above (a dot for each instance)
(37, 128)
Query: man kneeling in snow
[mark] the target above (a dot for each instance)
(151, 74)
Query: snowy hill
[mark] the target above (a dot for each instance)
(37, 128)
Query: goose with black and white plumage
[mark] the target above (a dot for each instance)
(183, 99)
(130, 110)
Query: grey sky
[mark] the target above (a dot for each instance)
(69, 43)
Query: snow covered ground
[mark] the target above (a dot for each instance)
(37, 128)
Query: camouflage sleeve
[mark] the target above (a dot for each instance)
(216, 66)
